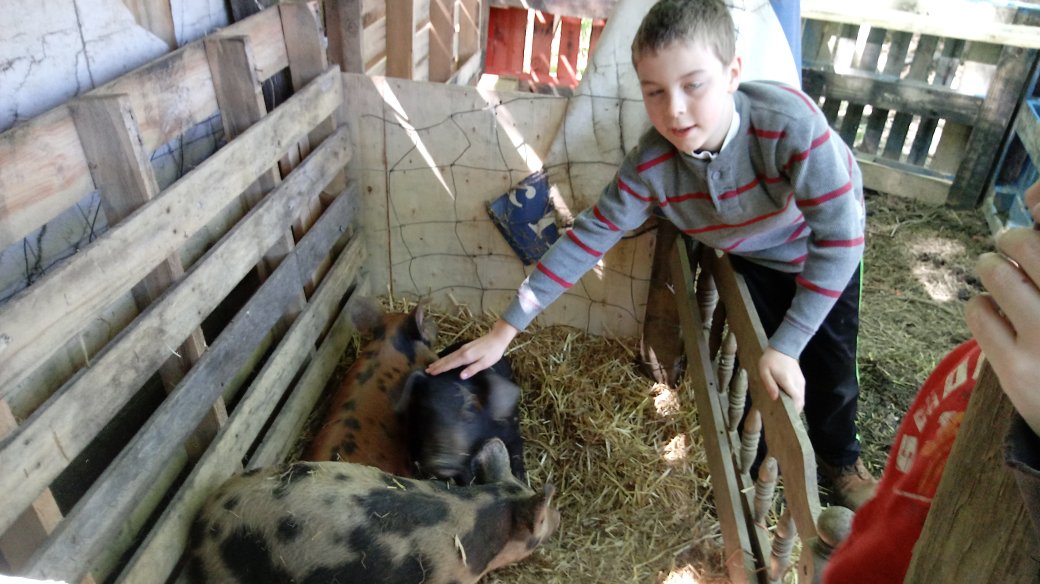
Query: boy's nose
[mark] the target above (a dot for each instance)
(677, 107)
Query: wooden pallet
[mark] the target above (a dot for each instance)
(144, 413)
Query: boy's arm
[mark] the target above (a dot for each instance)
(623, 205)
(828, 190)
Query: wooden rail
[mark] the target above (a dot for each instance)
(722, 337)
(912, 95)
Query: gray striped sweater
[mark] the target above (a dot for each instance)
(785, 193)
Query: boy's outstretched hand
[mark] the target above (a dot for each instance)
(782, 372)
(478, 354)
(1006, 320)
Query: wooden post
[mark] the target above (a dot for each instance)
(345, 31)
(35, 523)
(570, 44)
(469, 28)
(977, 529)
(400, 33)
(442, 40)
(661, 348)
(505, 56)
(541, 46)
(124, 177)
(1014, 69)
(157, 17)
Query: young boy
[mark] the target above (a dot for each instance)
(750, 169)
(1006, 327)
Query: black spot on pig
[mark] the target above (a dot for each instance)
(230, 503)
(294, 473)
(388, 516)
(246, 554)
(288, 529)
(449, 419)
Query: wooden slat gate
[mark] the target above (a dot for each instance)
(926, 102)
(127, 335)
(726, 335)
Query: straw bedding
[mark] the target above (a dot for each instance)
(623, 452)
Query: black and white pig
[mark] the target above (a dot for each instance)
(325, 522)
(449, 419)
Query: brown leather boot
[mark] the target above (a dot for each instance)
(853, 484)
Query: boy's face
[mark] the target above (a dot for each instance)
(688, 94)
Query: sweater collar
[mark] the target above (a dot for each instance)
(734, 127)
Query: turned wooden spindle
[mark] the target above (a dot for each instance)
(707, 297)
(727, 356)
(765, 487)
(749, 436)
(737, 396)
(783, 542)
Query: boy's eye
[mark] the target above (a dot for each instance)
(693, 86)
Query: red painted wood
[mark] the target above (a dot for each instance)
(541, 46)
(597, 29)
(507, 30)
(570, 43)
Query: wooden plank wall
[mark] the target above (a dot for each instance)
(105, 459)
(940, 92)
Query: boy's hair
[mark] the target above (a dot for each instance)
(707, 22)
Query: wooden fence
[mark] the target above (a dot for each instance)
(510, 38)
(131, 381)
(925, 101)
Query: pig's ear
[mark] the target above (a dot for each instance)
(405, 396)
(492, 462)
(500, 395)
(422, 327)
(365, 313)
(539, 516)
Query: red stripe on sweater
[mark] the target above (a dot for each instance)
(800, 156)
(826, 196)
(596, 212)
(581, 244)
(740, 190)
(686, 197)
(624, 187)
(735, 244)
(767, 134)
(655, 161)
(743, 224)
(840, 242)
(799, 260)
(552, 276)
(801, 95)
(798, 231)
(818, 289)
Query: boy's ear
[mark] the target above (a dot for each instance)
(734, 73)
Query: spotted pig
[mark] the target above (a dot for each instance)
(325, 522)
(449, 418)
(360, 424)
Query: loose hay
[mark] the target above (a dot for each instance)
(623, 452)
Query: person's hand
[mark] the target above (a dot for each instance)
(478, 354)
(781, 372)
(1006, 320)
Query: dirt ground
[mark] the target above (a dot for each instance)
(919, 269)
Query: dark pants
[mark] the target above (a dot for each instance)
(828, 361)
